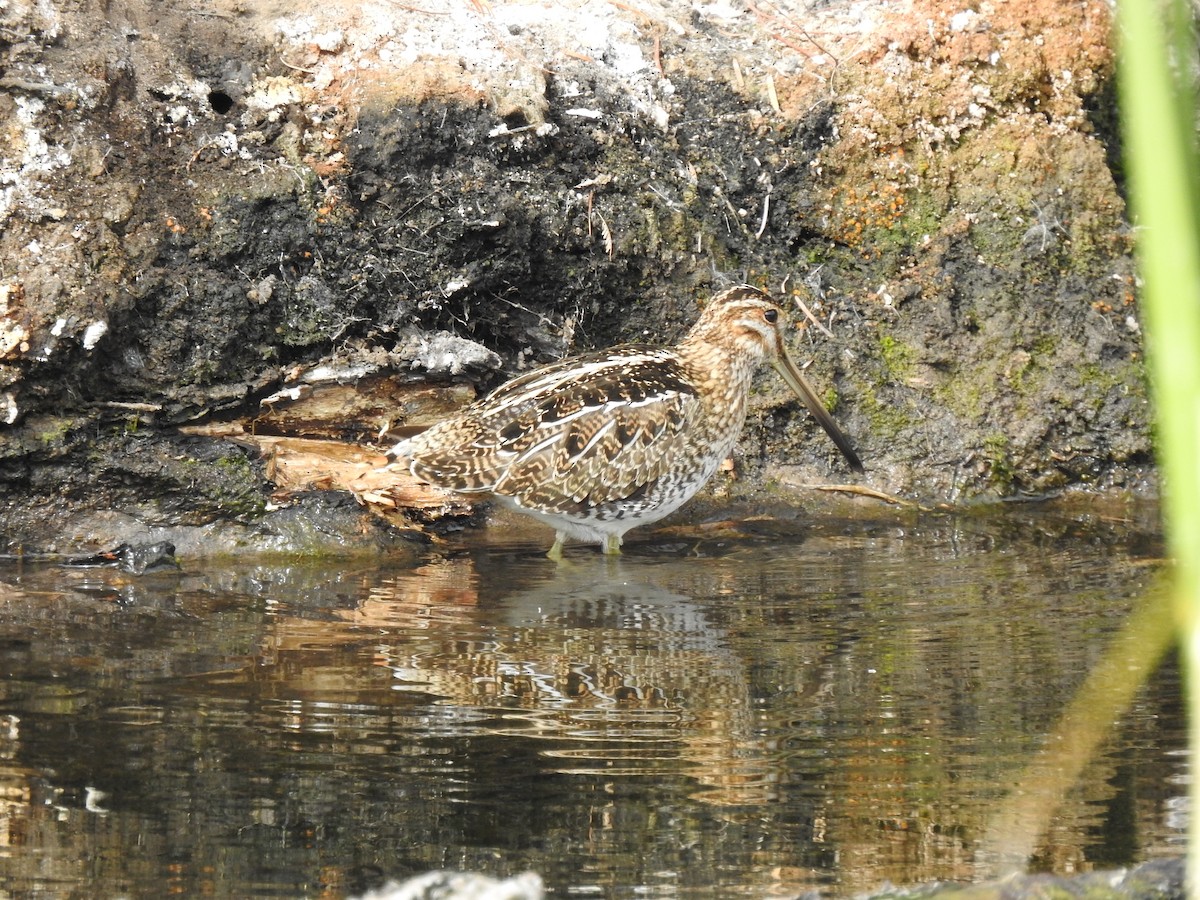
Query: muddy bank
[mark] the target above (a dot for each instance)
(209, 211)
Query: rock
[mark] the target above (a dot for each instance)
(1160, 879)
(461, 886)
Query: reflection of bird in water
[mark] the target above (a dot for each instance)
(582, 633)
(616, 673)
(601, 443)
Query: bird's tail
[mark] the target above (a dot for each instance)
(400, 451)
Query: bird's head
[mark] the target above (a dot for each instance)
(745, 321)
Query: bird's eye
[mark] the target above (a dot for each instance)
(771, 315)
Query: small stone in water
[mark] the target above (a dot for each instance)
(443, 885)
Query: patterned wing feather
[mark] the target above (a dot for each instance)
(620, 429)
(472, 451)
(571, 436)
(454, 454)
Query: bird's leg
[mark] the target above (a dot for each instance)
(611, 545)
(556, 550)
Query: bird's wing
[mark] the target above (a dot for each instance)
(571, 436)
(620, 424)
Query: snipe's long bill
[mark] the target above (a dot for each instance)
(598, 444)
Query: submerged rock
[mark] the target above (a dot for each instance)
(461, 886)
(136, 559)
(1160, 879)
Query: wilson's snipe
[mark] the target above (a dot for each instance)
(601, 443)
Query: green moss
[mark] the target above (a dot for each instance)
(919, 217)
(898, 357)
(1043, 346)
(1099, 382)
(230, 484)
(1094, 375)
(1001, 468)
(965, 397)
(55, 431)
(1025, 375)
(997, 243)
(236, 464)
(886, 420)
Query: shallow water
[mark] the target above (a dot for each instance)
(831, 708)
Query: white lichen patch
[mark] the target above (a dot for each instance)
(36, 17)
(8, 408)
(271, 96)
(93, 333)
(14, 337)
(443, 353)
(27, 159)
(502, 52)
(187, 101)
